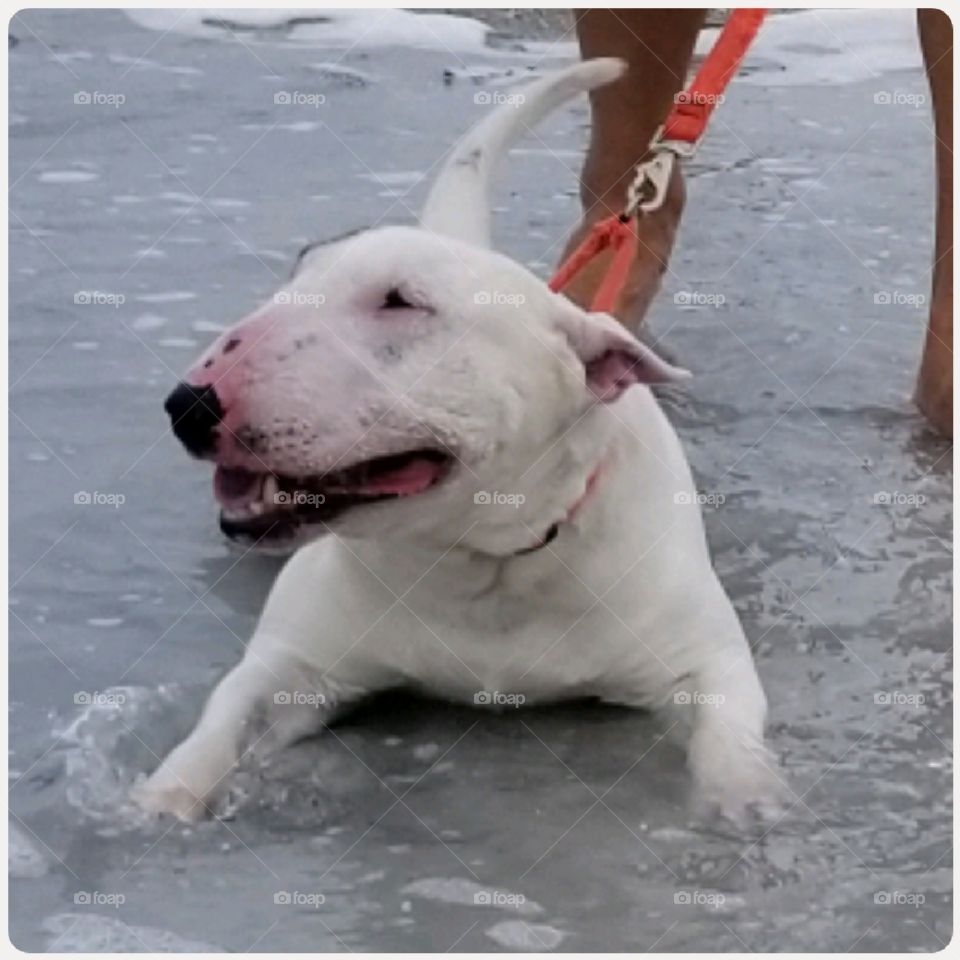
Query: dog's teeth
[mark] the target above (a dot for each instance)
(257, 508)
(270, 490)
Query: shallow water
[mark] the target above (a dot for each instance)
(416, 825)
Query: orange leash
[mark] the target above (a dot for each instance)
(677, 138)
(613, 232)
(692, 108)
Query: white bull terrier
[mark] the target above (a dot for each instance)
(492, 506)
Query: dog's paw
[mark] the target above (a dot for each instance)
(165, 793)
(742, 784)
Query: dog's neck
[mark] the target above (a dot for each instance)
(590, 488)
(578, 485)
(555, 489)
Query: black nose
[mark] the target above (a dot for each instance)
(195, 413)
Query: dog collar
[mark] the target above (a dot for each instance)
(548, 537)
(553, 530)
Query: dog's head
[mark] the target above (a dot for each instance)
(401, 371)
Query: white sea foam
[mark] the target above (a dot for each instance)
(339, 27)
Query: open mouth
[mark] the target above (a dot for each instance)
(263, 506)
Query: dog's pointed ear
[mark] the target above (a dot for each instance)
(612, 357)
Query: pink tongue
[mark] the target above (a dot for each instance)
(234, 486)
(412, 477)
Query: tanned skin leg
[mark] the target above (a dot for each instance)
(934, 393)
(658, 47)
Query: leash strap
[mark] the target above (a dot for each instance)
(613, 232)
(688, 119)
(679, 135)
(677, 138)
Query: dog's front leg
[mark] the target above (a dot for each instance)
(710, 686)
(269, 700)
(733, 771)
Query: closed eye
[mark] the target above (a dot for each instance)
(395, 300)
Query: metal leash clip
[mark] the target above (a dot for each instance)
(648, 189)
